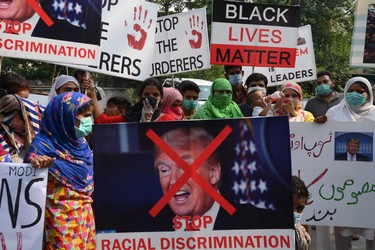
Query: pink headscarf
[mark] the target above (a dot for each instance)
(170, 96)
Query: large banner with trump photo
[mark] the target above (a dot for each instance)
(157, 184)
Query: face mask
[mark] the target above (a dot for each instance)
(85, 127)
(297, 217)
(189, 104)
(355, 99)
(221, 100)
(323, 89)
(235, 79)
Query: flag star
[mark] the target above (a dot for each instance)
(236, 168)
(75, 22)
(237, 148)
(262, 186)
(261, 204)
(235, 187)
(55, 5)
(243, 186)
(78, 8)
(243, 201)
(70, 6)
(252, 147)
(62, 5)
(252, 166)
(253, 186)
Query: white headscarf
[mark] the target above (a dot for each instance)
(60, 81)
(344, 112)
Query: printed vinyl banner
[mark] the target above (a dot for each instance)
(181, 43)
(363, 41)
(127, 39)
(254, 34)
(341, 186)
(156, 183)
(68, 32)
(22, 205)
(304, 70)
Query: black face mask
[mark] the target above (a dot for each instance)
(135, 113)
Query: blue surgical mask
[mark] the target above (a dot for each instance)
(235, 79)
(190, 104)
(297, 217)
(323, 89)
(355, 99)
(85, 127)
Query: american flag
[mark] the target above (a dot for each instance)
(249, 182)
(74, 11)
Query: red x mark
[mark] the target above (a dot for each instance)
(190, 171)
(35, 5)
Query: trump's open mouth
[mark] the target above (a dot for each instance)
(181, 196)
(5, 3)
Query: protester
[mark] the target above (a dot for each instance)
(62, 84)
(291, 104)
(357, 105)
(86, 81)
(219, 104)
(114, 111)
(171, 104)
(190, 94)
(253, 80)
(148, 108)
(300, 197)
(61, 146)
(325, 97)
(14, 84)
(234, 74)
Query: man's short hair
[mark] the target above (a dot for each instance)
(189, 85)
(299, 187)
(354, 140)
(324, 73)
(256, 77)
(13, 83)
(185, 138)
(229, 67)
(120, 102)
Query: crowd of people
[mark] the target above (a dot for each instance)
(55, 136)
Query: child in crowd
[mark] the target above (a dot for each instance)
(113, 112)
(259, 102)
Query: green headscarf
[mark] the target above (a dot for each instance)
(219, 105)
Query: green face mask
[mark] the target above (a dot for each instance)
(85, 127)
(221, 100)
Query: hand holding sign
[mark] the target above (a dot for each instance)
(137, 39)
(196, 34)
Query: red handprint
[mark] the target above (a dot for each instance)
(196, 40)
(137, 39)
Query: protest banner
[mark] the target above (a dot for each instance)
(22, 205)
(181, 43)
(340, 188)
(158, 183)
(127, 39)
(304, 70)
(67, 33)
(254, 34)
(363, 40)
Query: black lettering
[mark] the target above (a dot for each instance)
(222, 58)
(13, 210)
(104, 30)
(30, 202)
(284, 56)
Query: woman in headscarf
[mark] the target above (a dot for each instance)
(357, 105)
(69, 219)
(148, 108)
(171, 104)
(219, 104)
(62, 84)
(291, 104)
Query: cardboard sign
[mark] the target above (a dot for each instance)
(304, 70)
(22, 205)
(224, 178)
(181, 43)
(340, 188)
(254, 34)
(41, 32)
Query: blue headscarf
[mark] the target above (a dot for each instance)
(73, 166)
